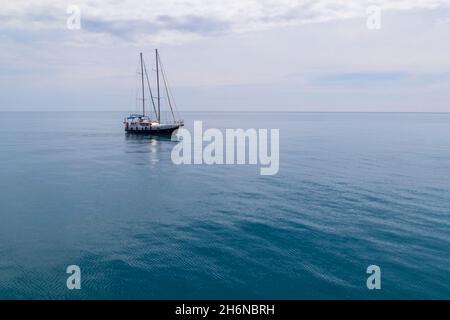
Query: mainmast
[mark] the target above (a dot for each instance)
(157, 86)
(143, 94)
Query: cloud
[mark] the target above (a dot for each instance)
(193, 23)
(296, 55)
(132, 29)
(362, 78)
(130, 19)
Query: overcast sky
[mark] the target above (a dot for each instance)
(228, 55)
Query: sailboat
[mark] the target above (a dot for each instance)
(152, 123)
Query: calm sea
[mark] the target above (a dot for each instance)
(353, 190)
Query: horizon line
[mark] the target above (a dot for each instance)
(231, 111)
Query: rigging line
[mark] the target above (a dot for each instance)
(136, 93)
(168, 92)
(157, 85)
(150, 89)
(173, 99)
(165, 86)
(166, 78)
(143, 89)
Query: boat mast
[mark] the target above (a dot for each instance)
(150, 90)
(157, 86)
(167, 89)
(143, 94)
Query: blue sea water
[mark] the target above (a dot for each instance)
(353, 190)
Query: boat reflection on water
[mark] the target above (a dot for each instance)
(149, 149)
(147, 138)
